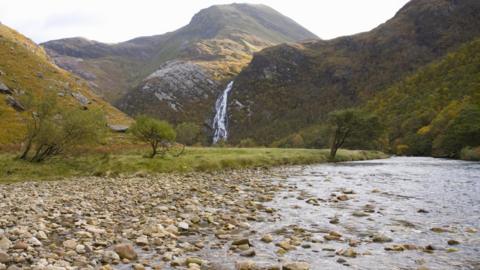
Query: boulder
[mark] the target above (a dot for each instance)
(4, 257)
(125, 251)
(12, 102)
(5, 244)
(5, 90)
(119, 128)
(83, 100)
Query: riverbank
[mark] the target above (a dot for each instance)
(129, 162)
(158, 222)
(368, 215)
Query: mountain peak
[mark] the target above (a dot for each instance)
(255, 19)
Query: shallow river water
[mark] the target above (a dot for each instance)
(400, 198)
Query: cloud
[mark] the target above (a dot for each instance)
(117, 20)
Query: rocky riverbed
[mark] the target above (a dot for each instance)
(158, 222)
(360, 215)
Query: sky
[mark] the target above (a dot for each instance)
(120, 20)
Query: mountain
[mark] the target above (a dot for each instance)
(178, 75)
(292, 86)
(436, 111)
(26, 70)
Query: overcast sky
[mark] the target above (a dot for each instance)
(120, 20)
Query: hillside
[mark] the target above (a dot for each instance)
(436, 111)
(25, 69)
(293, 86)
(177, 76)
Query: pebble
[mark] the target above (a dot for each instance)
(245, 265)
(183, 225)
(248, 253)
(296, 266)
(381, 238)
(241, 241)
(453, 242)
(80, 249)
(267, 238)
(349, 252)
(70, 244)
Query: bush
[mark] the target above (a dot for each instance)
(155, 132)
(188, 133)
(469, 153)
(52, 130)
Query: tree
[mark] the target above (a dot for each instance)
(155, 132)
(51, 129)
(461, 131)
(187, 133)
(352, 125)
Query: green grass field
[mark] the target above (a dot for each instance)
(194, 159)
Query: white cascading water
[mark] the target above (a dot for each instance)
(220, 120)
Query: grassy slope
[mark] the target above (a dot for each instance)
(28, 69)
(194, 159)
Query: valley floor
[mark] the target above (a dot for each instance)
(131, 161)
(378, 214)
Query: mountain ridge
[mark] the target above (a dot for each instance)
(213, 48)
(288, 87)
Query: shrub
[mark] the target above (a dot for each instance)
(155, 132)
(469, 153)
(52, 130)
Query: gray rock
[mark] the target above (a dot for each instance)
(183, 225)
(12, 102)
(5, 244)
(83, 100)
(5, 90)
(142, 240)
(110, 256)
(119, 128)
(296, 266)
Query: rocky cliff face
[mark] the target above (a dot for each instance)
(159, 93)
(289, 87)
(177, 76)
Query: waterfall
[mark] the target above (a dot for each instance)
(220, 120)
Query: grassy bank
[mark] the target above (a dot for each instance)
(194, 159)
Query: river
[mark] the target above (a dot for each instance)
(413, 206)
